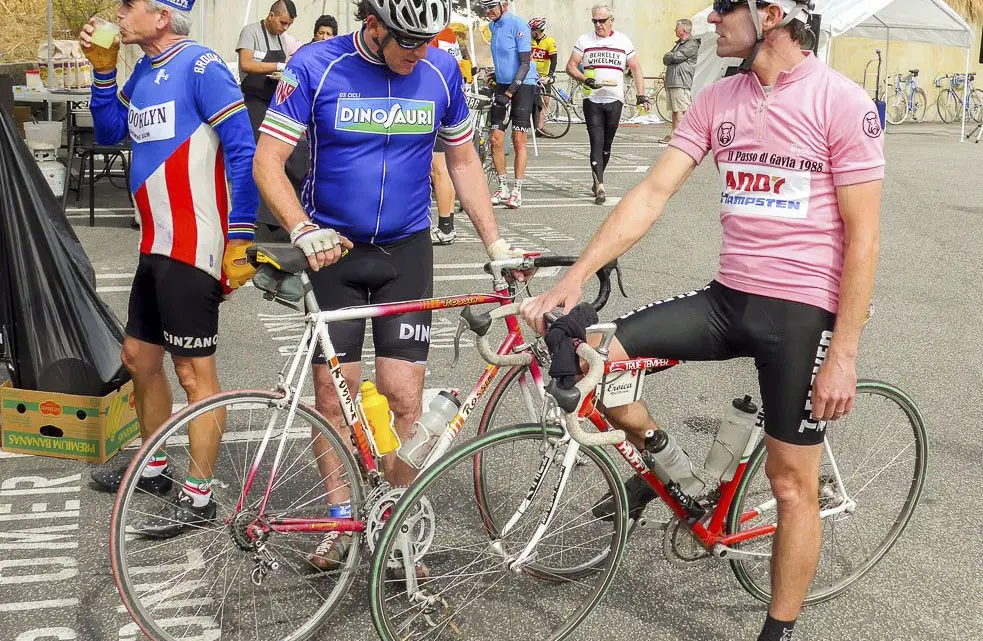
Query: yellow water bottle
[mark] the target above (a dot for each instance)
(375, 407)
(588, 73)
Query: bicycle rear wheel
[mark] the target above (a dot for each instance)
(204, 583)
(976, 105)
(470, 591)
(577, 102)
(919, 105)
(948, 105)
(630, 108)
(881, 451)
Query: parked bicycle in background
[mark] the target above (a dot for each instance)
(905, 99)
(956, 89)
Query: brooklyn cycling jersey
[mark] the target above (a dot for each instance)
(781, 155)
(190, 131)
(371, 132)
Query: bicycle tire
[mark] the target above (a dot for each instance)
(630, 107)
(557, 123)
(948, 105)
(760, 588)
(897, 108)
(577, 102)
(129, 584)
(493, 408)
(919, 105)
(426, 485)
(976, 105)
(662, 104)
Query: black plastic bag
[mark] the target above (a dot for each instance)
(58, 336)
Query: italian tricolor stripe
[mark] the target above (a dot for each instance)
(226, 113)
(123, 99)
(282, 128)
(104, 83)
(458, 134)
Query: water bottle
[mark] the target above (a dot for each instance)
(425, 433)
(563, 94)
(375, 407)
(670, 463)
(589, 73)
(737, 427)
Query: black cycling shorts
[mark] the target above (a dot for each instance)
(377, 274)
(174, 305)
(787, 340)
(522, 101)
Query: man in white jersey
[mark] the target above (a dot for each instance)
(605, 55)
(801, 161)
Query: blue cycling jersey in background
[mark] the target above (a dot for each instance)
(510, 37)
(371, 134)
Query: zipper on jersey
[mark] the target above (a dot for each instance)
(385, 154)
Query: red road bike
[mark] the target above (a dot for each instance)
(528, 557)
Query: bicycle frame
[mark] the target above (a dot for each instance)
(709, 530)
(315, 335)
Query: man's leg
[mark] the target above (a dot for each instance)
(793, 471)
(151, 389)
(402, 383)
(519, 140)
(676, 117)
(444, 191)
(199, 378)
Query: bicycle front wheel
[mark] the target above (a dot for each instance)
(237, 575)
(897, 108)
(662, 104)
(470, 589)
(976, 105)
(557, 122)
(948, 105)
(881, 452)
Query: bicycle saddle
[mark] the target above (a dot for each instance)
(285, 257)
(972, 76)
(914, 72)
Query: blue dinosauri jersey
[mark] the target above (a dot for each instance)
(371, 133)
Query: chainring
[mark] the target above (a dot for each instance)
(380, 505)
(679, 546)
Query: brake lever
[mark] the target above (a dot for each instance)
(621, 284)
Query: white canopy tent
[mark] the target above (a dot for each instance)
(929, 21)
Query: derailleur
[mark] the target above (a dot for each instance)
(265, 563)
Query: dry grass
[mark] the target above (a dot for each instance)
(25, 25)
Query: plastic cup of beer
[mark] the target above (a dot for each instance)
(105, 33)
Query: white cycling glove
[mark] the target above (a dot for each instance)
(501, 250)
(313, 239)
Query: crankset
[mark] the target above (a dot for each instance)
(418, 528)
(680, 547)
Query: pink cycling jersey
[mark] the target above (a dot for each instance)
(781, 155)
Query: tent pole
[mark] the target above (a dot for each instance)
(249, 10)
(962, 136)
(472, 20)
(51, 45)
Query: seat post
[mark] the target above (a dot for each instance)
(310, 301)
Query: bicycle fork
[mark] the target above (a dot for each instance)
(566, 467)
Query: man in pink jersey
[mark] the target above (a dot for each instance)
(800, 155)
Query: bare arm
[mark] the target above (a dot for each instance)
(472, 189)
(625, 226)
(274, 187)
(572, 67)
(835, 385)
(248, 64)
(635, 66)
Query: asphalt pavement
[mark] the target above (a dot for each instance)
(55, 578)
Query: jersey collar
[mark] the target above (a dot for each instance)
(362, 48)
(168, 54)
(803, 70)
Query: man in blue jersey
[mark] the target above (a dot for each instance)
(516, 79)
(372, 104)
(184, 113)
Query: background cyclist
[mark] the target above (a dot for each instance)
(369, 191)
(800, 207)
(605, 55)
(544, 54)
(511, 49)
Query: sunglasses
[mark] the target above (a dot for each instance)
(599, 20)
(408, 42)
(723, 7)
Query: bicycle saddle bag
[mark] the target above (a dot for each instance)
(287, 289)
